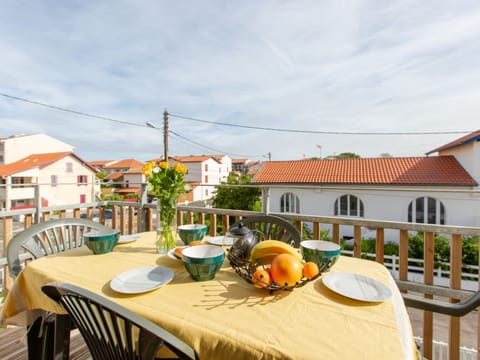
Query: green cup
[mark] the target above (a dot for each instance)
(203, 261)
(320, 252)
(101, 242)
(191, 232)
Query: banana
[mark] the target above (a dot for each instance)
(263, 252)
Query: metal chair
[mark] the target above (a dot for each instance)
(469, 300)
(48, 238)
(273, 227)
(112, 331)
(40, 240)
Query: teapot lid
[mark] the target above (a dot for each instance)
(240, 229)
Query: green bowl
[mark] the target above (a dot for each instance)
(203, 261)
(101, 241)
(320, 252)
(191, 232)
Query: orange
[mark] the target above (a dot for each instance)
(261, 278)
(286, 269)
(310, 270)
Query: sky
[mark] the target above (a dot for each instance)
(368, 77)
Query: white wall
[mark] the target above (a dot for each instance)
(67, 191)
(194, 172)
(133, 180)
(16, 148)
(384, 203)
(225, 168)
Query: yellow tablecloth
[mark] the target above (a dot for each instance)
(227, 317)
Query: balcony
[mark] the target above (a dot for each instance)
(430, 329)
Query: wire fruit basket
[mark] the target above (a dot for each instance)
(244, 269)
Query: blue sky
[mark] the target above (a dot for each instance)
(324, 66)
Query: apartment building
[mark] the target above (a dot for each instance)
(41, 163)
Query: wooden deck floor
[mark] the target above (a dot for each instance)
(13, 345)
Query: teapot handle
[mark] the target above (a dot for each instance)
(261, 233)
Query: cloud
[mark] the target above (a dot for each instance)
(331, 66)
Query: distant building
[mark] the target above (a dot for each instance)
(240, 165)
(62, 178)
(436, 190)
(204, 173)
(125, 174)
(17, 147)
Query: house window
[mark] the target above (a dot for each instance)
(426, 210)
(289, 202)
(83, 198)
(206, 167)
(348, 205)
(82, 180)
(54, 180)
(69, 167)
(206, 179)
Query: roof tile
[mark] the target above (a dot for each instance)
(440, 170)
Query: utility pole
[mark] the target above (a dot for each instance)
(165, 135)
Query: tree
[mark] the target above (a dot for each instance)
(347, 155)
(102, 175)
(237, 197)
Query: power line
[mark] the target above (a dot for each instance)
(238, 125)
(114, 120)
(207, 147)
(70, 111)
(319, 131)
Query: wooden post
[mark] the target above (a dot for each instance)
(428, 257)
(213, 225)
(403, 255)
(336, 233)
(380, 246)
(455, 283)
(316, 230)
(7, 235)
(357, 241)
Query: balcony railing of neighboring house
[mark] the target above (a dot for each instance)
(131, 218)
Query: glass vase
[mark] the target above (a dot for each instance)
(166, 237)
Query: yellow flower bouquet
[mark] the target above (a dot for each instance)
(165, 182)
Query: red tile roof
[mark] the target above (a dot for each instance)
(439, 170)
(117, 175)
(36, 161)
(121, 164)
(474, 136)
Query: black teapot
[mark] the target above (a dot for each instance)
(244, 241)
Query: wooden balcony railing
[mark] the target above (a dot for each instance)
(131, 218)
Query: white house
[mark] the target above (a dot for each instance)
(17, 147)
(204, 173)
(62, 178)
(439, 189)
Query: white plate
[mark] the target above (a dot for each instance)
(172, 255)
(141, 280)
(357, 287)
(221, 240)
(128, 238)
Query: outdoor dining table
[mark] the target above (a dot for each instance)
(227, 317)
